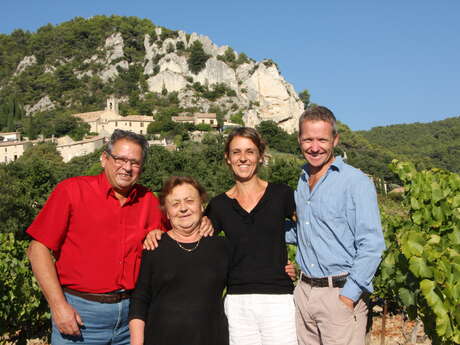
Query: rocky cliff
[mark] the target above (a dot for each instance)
(255, 89)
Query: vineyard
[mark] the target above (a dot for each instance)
(419, 275)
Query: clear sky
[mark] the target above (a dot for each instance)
(373, 63)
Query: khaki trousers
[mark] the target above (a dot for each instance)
(323, 319)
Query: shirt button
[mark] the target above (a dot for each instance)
(307, 223)
(312, 265)
(308, 202)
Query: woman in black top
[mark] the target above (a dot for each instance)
(259, 304)
(178, 295)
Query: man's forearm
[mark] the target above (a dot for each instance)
(66, 318)
(45, 272)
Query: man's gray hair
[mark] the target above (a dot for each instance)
(139, 139)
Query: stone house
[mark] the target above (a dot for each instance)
(198, 118)
(68, 148)
(12, 150)
(104, 122)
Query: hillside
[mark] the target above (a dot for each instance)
(76, 65)
(434, 144)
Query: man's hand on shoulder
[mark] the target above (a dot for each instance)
(152, 238)
(206, 228)
(67, 319)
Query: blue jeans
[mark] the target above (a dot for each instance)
(104, 323)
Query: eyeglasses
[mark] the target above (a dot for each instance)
(120, 161)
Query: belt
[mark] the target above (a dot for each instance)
(337, 281)
(112, 297)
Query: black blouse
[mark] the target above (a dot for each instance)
(259, 239)
(179, 293)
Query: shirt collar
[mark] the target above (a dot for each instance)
(336, 165)
(107, 188)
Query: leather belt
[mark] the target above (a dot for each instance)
(112, 297)
(337, 281)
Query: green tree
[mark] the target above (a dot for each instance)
(305, 98)
(197, 59)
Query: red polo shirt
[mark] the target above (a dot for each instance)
(96, 241)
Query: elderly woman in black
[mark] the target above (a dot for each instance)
(178, 296)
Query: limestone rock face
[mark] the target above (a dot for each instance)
(43, 104)
(27, 61)
(276, 99)
(261, 92)
(217, 72)
(114, 51)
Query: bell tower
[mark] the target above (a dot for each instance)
(112, 105)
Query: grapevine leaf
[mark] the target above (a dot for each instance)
(419, 267)
(435, 302)
(415, 243)
(456, 201)
(417, 217)
(437, 193)
(407, 296)
(438, 215)
(434, 239)
(414, 203)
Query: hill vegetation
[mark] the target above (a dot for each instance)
(428, 145)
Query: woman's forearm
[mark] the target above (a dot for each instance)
(136, 328)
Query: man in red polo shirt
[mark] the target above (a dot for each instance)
(94, 226)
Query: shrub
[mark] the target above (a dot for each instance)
(22, 306)
(197, 60)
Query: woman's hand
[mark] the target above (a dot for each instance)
(206, 228)
(152, 238)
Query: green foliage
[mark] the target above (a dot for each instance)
(285, 170)
(55, 123)
(277, 138)
(22, 306)
(372, 159)
(213, 92)
(422, 262)
(269, 63)
(428, 145)
(305, 98)
(237, 118)
(197, 59)
(11, 114)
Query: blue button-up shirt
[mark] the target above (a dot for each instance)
(338, 227)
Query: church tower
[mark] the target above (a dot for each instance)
(112, 105)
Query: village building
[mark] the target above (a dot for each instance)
(10, 136)
(198, 118)
(12, 150)
(104, 122)
(68, 148)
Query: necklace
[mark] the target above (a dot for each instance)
(188, 249)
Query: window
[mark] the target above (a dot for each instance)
(142, 125)
(130, 124)
(116, 123)
(141, 131)
(15, 157)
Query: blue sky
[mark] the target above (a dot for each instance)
(374, 63)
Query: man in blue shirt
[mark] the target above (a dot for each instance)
(339, 238)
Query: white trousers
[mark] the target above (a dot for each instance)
(257, 319)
